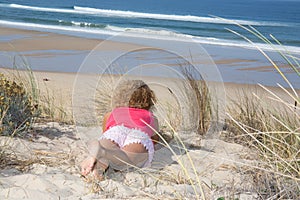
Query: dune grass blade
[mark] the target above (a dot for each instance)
(288, 55)
(266, 40)
(277, 136)
(262, 144)
(282, 53)
(269, 59)
(180, 162)
(256, 33)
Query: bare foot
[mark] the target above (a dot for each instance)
(87, 165)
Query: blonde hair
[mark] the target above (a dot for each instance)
(134, 94)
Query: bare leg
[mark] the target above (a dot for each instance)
(137, 153)
(132, 154)
(106, 150)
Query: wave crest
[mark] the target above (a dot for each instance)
(188, 18)
(133, 14)
(149, 33)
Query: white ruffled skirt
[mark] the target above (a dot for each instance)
(124, 136)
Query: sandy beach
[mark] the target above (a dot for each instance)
(210, 167)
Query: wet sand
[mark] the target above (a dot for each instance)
(62, 84)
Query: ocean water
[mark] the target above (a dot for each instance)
(206, 22)
(194, 19)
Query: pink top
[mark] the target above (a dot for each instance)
(132, 118)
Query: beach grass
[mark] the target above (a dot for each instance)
(52, 107)
(270, 126)
(104, 95)
(49, 103)
(202, 100)
(18, 110)
(22, 105)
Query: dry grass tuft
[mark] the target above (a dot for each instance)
(9, 159)
(52, 109)
(104, 95)
(198, 98)
(169, 114)
(275, 137)
(203, 101)
(272, 129)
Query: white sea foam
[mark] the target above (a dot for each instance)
(132, 14)
(149, 33)
(189, 18)
(44, 27)
(157, 32)
(81, 23)
(60, 10)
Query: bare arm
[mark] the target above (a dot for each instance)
(106, 116)
(155, 137)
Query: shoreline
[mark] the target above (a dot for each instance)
(77, 31)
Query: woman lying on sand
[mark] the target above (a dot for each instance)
(128, 132)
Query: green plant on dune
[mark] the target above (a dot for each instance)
(17, 109)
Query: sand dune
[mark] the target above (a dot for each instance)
(57, 150)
